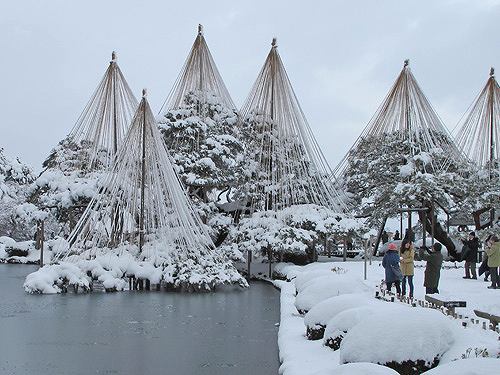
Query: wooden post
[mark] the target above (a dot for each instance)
(409, 229)
(344, 255)
(433, 221)
(367, 244)
(381, 230)
(41, 237)
(401, 223)
(270, 256)
(143, 172)
(424, 231)
(249, 260)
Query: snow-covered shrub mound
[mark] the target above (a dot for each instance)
(472, 366)
(325, 287)
(56, 278)
(317, 318)
(338, 326)
(303, 280)
(24, 252)
(358, 369)
(286, 271)
(409, 341)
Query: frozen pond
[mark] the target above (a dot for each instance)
(229, 332)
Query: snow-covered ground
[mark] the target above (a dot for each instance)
(387, 333)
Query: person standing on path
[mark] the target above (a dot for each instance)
(393, 273)
(432, 273)
(407, 265)
(470, 250)
(493, 251)
(385, 237)
(397, 236)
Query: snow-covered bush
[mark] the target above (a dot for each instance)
(65, 187)
(338, 326)
(409, 341)
(302, 280)
(358, 369)
(56, 278)
(472, 366)
(318, 316)
(325, 287)
(295, 234)
(15, 178)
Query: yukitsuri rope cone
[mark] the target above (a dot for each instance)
(103, 123)
(142, 223)
(478, 137)
(71, 171)
(479, 133)
(289, 166)
(198, 125)
(407, 112)
(199, 75)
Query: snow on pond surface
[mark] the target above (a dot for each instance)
(434, 333)
(231, 331)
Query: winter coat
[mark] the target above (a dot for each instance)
(407, 265)
(391, 264)
(493, 255)
(471, 248)
(483, 268)
(432, 268)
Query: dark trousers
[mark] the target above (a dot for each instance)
(410, 283)
(495, 282)
(470, 268)
(431, 290)
(398, 286)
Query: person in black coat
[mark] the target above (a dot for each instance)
(432, 273)
(385, 237)
(469, 254)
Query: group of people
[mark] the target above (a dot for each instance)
(399, 264)
(490, 263)
(399, 267)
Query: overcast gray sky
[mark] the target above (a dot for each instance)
(341, 56)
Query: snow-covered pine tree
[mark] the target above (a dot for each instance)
(202, 138)
(478, 137)
(71, 172)
(198, 123)
(142, 223)
(405, 157)
(15, 178)
(287, 197)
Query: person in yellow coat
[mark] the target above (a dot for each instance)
(407, 265)
(493, 251)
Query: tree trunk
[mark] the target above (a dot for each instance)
(221, 236)
(440, 233)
